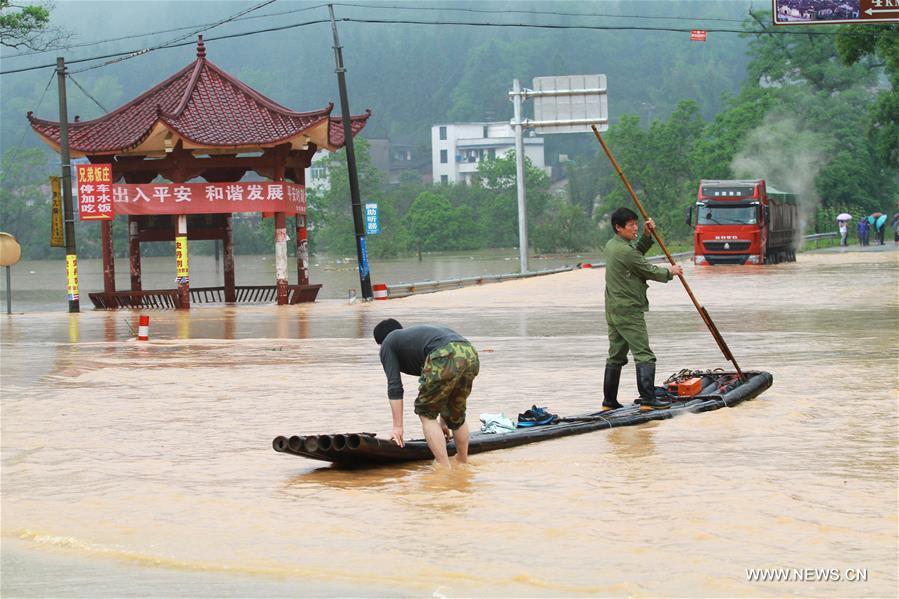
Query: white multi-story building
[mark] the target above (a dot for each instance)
(317, 174)
(458, 148)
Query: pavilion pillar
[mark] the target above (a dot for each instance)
(280, 159)
(228, 260)
(181, 261)
(134, 252)
(108, 257)
(302, 251)
(281, 256)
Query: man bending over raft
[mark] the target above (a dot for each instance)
(626, 274)
(446, 364)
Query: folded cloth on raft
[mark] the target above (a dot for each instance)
(496, 423)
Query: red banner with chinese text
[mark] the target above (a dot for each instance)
(95, 191)
(208, 198)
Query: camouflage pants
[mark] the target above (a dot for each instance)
(445, 383)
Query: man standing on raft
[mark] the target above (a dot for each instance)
(446, 364)
(626, 274)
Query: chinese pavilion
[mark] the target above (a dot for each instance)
(202, 124)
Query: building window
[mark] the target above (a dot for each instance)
(442, 156)
(486, 132)
(443, 133)
(491, 153)
(444, 179)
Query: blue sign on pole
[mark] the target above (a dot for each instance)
(363, 266)
(372, 226)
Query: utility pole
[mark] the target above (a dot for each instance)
(68, 211)
(519, 178)
(358, 222)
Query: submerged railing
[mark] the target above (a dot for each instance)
(170, 299)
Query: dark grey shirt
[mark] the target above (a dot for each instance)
(405, 350)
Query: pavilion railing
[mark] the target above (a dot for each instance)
(169, 298)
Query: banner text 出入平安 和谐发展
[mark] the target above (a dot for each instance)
(208, 198)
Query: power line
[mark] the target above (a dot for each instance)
(171, 43)
(85, 92)
(190, 43)
(134, 53)
(18, 147)
(380, 7)
(160, 32)
(590, 27)
(536, 12)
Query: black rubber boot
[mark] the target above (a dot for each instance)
(610, 387)
(646, 381)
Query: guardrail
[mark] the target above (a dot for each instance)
(406, 289)
(818, 237)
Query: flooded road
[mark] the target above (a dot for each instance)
(146, 469)
(40, 285)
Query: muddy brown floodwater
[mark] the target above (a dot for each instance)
(146, 469)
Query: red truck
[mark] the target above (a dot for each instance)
(744, 222)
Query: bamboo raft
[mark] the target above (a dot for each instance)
(361, 449)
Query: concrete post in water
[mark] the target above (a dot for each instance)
(358, 223)
(108, 257)
(281, 256)
(182, 274)
(68, 209)
(519, 178)
(228, 266)
(302, 251)
(134, 252)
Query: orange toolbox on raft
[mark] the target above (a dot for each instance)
(686, 388)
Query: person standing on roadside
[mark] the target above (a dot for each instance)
(863, 231)
(627, 271)
(844, 232)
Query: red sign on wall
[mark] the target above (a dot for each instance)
(209, 198)
(697, 35)
(95, 191)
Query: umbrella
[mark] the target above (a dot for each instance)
(844, 216)
(881, 220)
(876, 214)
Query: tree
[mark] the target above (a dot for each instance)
(864, 44)
(331, 212)
(25, 201)
(431, 222)
(565, 228)
(499, 216)
(658, 163)
(28, 26)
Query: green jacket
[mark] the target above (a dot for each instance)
(626, 274)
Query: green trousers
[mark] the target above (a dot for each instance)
(628, 332)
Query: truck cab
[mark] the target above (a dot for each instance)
(730, 222)
(743, 222)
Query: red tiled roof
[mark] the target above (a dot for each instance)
(207, 108)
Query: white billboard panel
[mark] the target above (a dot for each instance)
(570, 103)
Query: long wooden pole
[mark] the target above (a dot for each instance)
(703, 313)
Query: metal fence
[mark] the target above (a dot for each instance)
(407, 289)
